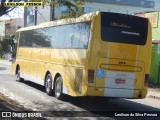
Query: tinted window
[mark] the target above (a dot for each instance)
(40, 38)
(58, 37)
(123, 28)
(85, 33)
(22, 39)
(77, 35)
(47, 37)
(28, 41)
(66, 36)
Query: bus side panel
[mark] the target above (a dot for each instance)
(38, 65)
(56, 66)
(75, 71)
(23, 59)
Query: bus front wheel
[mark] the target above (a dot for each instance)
(58, 88)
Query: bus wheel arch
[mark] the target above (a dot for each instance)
(17, 68)
(58, 86)
(48, 83)
(17, 73)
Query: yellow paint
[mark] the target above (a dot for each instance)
(99, 55)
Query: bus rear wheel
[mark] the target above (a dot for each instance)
(58, 88)
(19, 79)
(48, 85)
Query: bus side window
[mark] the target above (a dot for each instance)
(41, 38)
(22, 39)
(77, 35)
(72, 38)
(29, 38)
(58, 37)
(85, 29)
(75, 41)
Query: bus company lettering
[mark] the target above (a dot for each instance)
(120, 25)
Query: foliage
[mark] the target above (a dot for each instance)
(5, 10)
(5, 45)
(74, 6)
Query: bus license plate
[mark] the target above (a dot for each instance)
(120, 81)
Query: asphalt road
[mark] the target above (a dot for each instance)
(32, 96)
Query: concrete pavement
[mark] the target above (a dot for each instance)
(152, 92)
(6, 62)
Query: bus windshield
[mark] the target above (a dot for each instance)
(123, 28)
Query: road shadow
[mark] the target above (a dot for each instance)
(3, 68)
(34, 85)
(101, 106)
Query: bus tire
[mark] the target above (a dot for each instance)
(48, 85)
(18, 72)
(58, 88)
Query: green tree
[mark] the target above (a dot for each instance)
(5, 10)
(74, 6)
(5, 44)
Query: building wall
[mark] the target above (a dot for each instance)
(92, 6)
(2, 29)
(154, 18)
(12, 25)
(43, 15)
(112, 6)
(19, 23)
(156, 30)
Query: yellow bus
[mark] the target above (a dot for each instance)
(97, 54)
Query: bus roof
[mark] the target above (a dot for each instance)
(85, 17)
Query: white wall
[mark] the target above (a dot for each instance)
(19, 22)
(2, 28)
(43, 14)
